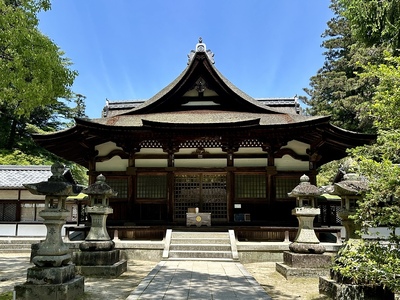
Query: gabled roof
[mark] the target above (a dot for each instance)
(202, 95)
(14, 176)
(284, 105)
(201, 102)
(201, 86)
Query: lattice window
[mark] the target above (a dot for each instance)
(150, 144)
(120, 185)
(151, 186)
(8, 212)
(250, 143)
(250, 186)
(204, 143)
(284, 185)
(330, 214)
(205, 191)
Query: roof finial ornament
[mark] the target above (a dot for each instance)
(201, 48)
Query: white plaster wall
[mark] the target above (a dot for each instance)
(255, 162)
(106, 148)
(7, 229)
(288, 163)
(298, 147)
(9, 194)
(147, 163)
(200, 163)
(113, 164)
(32, 230)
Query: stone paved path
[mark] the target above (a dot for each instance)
(204, 280)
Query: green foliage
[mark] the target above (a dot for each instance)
(17, 157)
(38, 156)
(359, 86)
(374, 21)
(34, 70)
(35, 82)
(327, 173)
(384, 107)
(368, 263)
(6, 296)
(337, 89)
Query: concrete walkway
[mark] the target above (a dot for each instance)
(176, 280)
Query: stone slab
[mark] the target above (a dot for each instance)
(303, 260)
(112, 271)
(70, 290)
(289, 272)
(53, 275)
(338, 291)
(95, 258)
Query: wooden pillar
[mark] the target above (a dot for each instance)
(170, 194)
(271, 172)
(230, 195)
(170, 147)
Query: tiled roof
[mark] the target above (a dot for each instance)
(203, 117)
(285, 105)
(13, 176)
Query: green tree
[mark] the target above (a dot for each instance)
(337, 89)
(35, 87)
(366, 262)
(34, 71)
(374, 22)
(380, 162)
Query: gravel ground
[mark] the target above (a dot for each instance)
(13, 268)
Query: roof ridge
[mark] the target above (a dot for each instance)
(25, 167)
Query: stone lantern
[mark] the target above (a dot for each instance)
(305, 257)
(98, 256)
(53, 276)
(99, 209)
(351, 189)
(306, 240)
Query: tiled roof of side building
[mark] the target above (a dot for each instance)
(14, 176)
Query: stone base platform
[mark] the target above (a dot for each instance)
(106, 264)
(51, 283)
(339, 291)
(111, 271)
(304, 265)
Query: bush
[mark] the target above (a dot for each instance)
(369, 263)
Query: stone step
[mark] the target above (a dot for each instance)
(15, 246)
(199, 234)
(200, 247)
(19, 241)
(201, 259)
(15, 251)
(200, 254)
(200, 241)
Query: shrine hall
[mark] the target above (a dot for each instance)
(203, 144)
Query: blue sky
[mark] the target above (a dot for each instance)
(131, 49)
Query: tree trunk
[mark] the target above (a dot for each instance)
(11, 136)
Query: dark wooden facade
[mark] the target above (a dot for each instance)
(202, 142)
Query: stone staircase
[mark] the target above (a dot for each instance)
(17, 245)
(197, 245)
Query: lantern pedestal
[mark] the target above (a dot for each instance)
(306, 240)
(53, 276)
(306, 256)
(97, 257)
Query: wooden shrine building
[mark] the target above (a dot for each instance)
(202, 142)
